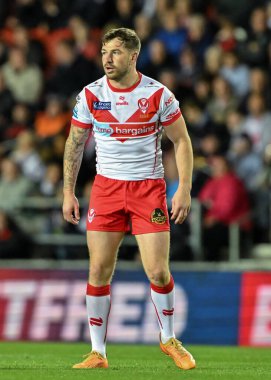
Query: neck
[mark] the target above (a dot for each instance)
(127, 81)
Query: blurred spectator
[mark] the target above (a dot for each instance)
(253, 50)
(158, 59)
(179, 248)
(234, 125)
(54, 13)
(14, 187)
(29, 12)
(202, 91)
(211, 144)
(3, 51)
(222, 100)
(72, 71)
(14, 243)
(20, 121)
(226, 201)
(235, 73)
(95, 12)
(168, 77)
(257, 122)
(262, 200)
(20, 77)
(246, 163)
(227, 35)
(212, 60)
(236, 11)
(51, 183)
(33, 49)
(84, 41)
(143, 28)
(171, 34)
(197, 122)
(124, 13)
(203, 131)
(198, 36)
(53, 119)
(27, 157)
(188, 71)
(6, 104)
(259, 83)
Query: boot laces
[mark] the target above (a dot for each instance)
(93, 353)
(179, 347)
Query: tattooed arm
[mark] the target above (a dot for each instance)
(73, 154)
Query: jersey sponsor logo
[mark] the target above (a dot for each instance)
(122, 101)
(102, 129)
(135, 131)
(171, 115)
(168, 312)
(118, 130)
(143, 104)
(102, 105)
(96, 321)
(158, 216)
(170, 100)
(91, 215)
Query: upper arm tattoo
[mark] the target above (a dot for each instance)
(73, 154)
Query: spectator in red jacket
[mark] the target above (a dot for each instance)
(226, 201)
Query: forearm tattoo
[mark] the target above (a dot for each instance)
(73, 154)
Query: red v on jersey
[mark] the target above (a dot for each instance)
(137, 125)
(102, 115)
(154, 102)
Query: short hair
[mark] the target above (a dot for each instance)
(129, 38)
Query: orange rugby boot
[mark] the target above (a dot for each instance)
(93, 360)
(182, 358)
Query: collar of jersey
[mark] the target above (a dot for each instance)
(128, 89)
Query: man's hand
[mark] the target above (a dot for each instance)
(181, 203)
(71, 209)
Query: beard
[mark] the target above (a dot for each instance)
(117, 74)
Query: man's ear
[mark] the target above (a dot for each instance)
(134, 56)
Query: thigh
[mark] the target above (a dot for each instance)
(103, 249)
(107, 207)
(147, 205)
(154, 251)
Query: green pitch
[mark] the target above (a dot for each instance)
(53, 361)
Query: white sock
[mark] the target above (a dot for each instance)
(98, 308)
(163, 298)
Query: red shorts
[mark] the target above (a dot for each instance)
(115, 204)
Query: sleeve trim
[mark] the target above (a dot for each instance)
(174, 118)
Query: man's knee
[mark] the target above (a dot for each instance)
(100, 274)
(159, 277)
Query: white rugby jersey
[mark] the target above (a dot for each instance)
(127, 126)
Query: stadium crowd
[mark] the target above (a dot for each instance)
(215, 56)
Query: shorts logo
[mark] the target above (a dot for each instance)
(102, 105)
(143, 104)
(91, 215)
(158, 216)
